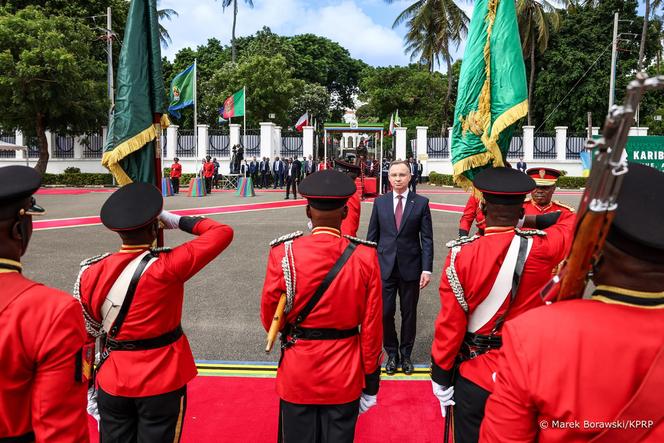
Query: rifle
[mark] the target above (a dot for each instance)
(599, 202)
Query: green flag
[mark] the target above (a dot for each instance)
(234, 105)
(182, 90)
(130, 147)
(492, 93)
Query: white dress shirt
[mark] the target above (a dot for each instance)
(395, 200)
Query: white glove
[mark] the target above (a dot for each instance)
(93, 409)
(170, 220)
(444, 396)
(366, 402)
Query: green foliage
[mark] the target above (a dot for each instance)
(77, 179)
(440, 179)
(309, 97)
(565, 182)
(72, 170)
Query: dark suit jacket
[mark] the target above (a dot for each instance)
(278, 167)
(297, 169)
(412, 246)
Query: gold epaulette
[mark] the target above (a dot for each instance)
(359, 241)
(529, 232)
(564, 206)
(285, 238)
(461, 241)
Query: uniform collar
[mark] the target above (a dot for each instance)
(492, 230)
(541, 208)
(7, 265)
(628, 297)
(318, 230)
(130, 249)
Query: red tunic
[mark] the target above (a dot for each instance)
(351, 223)
(477, 265)
(571, 362)
(472, 212)
(328, 371)
(41, 335)
(533, 209)
(155, 310)
(176, 170)
(208, 169)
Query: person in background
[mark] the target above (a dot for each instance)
(208, 174)
(420, 170)
(472, 213)
(176, 173)
(541, 198)
(278, 169)
(521, 165)
(385, 176)
(264, 169)
(351, 223)
(215, 176)
(253, 170)
(412, 165)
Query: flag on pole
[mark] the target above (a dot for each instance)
(234, 105)
(129, 152)
(182, 91)
(492, 94)
(397, 120)
(391, 127)
(302, 121)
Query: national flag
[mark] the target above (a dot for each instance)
(129, 152)
(302, 121)
(492, 94)
(397, 120)
(234, 105)
(391, 127)
(221, 119)
(182, 90)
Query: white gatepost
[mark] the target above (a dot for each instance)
(50, 141)
(171, 141)
(595, 130)
(449, 139)
(78, 147)
(203, 140)
(528, 143)
(421, 147)
(561, 143)
(267, 139)
(20, 154)
(276, 146)
(400, 143)
(234, 135)
(644, 131)
(307, 141)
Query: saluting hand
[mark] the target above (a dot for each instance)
(425, 278)
(170, 220)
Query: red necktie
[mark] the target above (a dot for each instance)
(398, 213)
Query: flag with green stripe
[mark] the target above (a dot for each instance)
(234, 105)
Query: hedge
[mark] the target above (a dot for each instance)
(563, 182)
(78, 179)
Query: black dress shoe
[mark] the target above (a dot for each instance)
(391, 365)
(407, 366)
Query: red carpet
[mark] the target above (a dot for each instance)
(239, 409)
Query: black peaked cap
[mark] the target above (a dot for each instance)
(504, 186)
(17, 183)
(131, 207)
(638, 228)
(327, 190)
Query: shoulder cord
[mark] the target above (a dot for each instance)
(453, 278)
(288, 267)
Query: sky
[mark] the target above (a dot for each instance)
(364, 27)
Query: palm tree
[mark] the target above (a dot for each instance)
(644, 32)
(165, 14)
(537, 18)
(225, 4)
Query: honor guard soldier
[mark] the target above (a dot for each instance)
(486, 281)
(541, 198)
(331, 345)
(42, 387)
(132, 302)
(472, 213)
(593, 370)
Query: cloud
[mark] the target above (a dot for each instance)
(345, 22)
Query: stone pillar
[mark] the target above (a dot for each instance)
(267, 139)
(78, 148)
(449, 140)
(50, 139)
(21, 154)
(171, 141)
(234, 135)
(644, 131)
(308, 141)
(561, 143)
(203, 140)
(276, 141)
(528, 143)
(421, 143)
(595, 130)
(400, 143)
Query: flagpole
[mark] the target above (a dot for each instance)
(196, 109)
(325, 148)
(380, 179)
(244, 124)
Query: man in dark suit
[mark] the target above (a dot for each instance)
(401, 225)
(412, 165)
(278, 173)
(521, 165)
(253, 170)
(264, 169)
(293, 171)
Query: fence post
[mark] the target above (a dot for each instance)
(233, 135)
(449, 139)
(267, 140)
(421, 143)
(528, 143)
(104, 135)
(561, 143)
(277, 141)
(308, 141)
(50, 141)
(20, 154)
(595, 130)
(400, 142)
(78, 147)
(171, 141)
(203, 140)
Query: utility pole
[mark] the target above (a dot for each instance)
(109, 60)
(614, 55)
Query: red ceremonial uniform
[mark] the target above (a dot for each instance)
(208, 169)
(472, 212)
(176, 170)
(351, 223)
(477, 264)
(156, 309)
(568, 368)
(531, 208)
(41, 386)
(327, 371)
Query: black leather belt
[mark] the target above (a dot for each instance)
(475, 345)
(28, 437)
(322, 333)
(148, 343)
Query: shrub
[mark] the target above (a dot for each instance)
(572, 182)
(78, 179)
(72, 170)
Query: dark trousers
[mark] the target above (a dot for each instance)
(413, 184)
(291, 182)
(278, 180)
(409, 294)
(264, 180)
(208, 185)
(469, 410)
(317, 423)
(385, 184)
(176, 185)
(157, 418)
